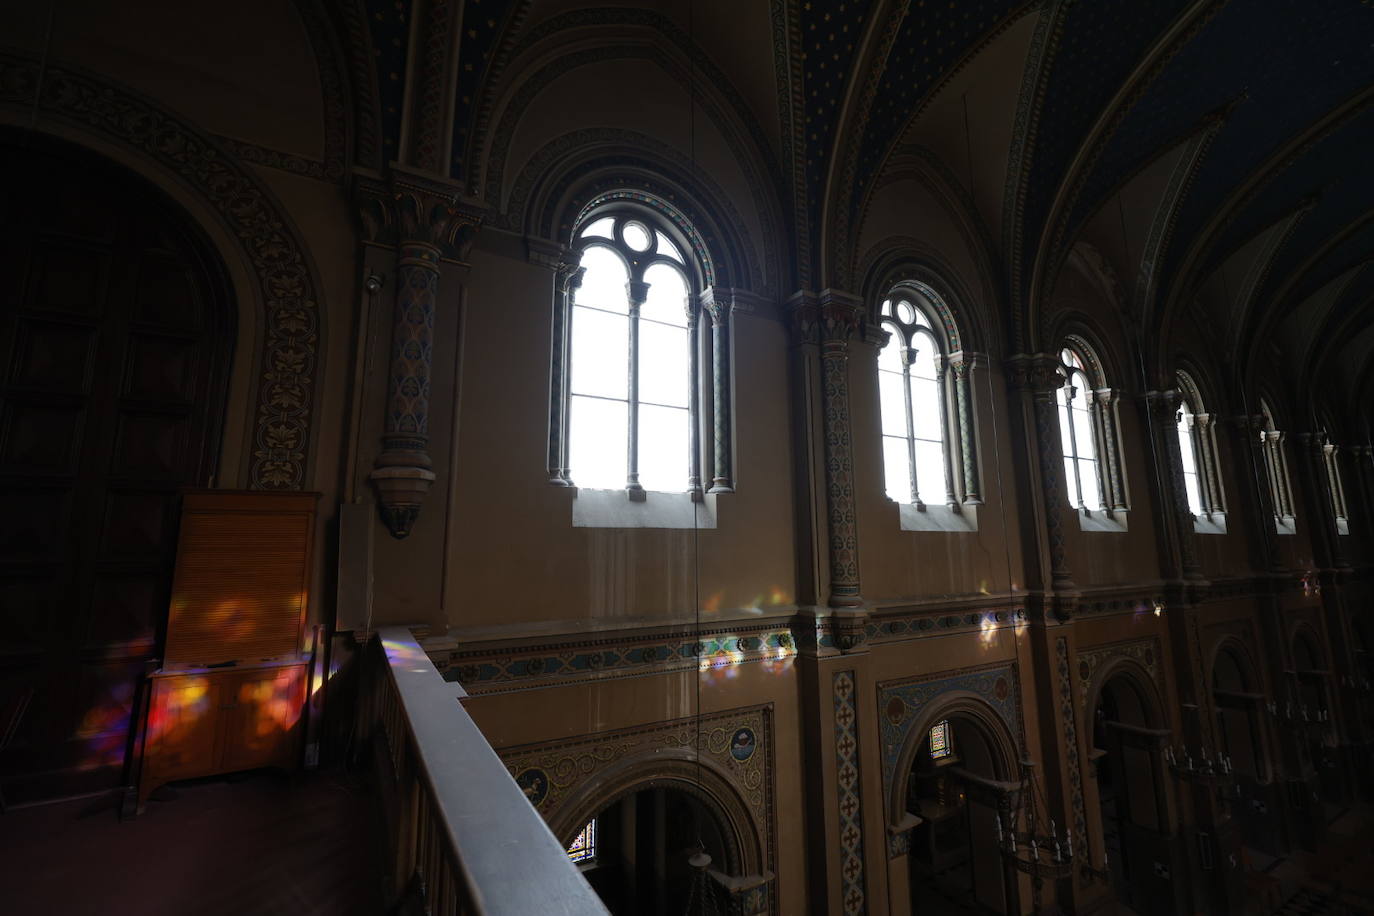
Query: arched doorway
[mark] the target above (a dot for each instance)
(635, 853)
(1317, 736)
(115, 337)
(958, 786)
(1239, 705)
(1132, 798)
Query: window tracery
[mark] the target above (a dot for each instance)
(627, 406)
(1089, 433)
(926, 426)
(1198, 450)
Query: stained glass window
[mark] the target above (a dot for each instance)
(583, 849)
(939, 741)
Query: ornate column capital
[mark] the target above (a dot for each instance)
(718, 302)
(1164, 404)
(408, 208)
(841, 315)
(1106, 397)
(803, 312)
(1037, 373)
(1245, 424)
(962, 362)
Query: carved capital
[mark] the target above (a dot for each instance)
(551, 255)
(718, 302)
(413, 208)
(841, 315)
(1037, 373)
(803, 317)
(1164, 404)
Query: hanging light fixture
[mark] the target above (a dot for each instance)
(1031, 842)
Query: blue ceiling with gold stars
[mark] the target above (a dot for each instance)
(830, 32)
(1275, 67)
(930, 42)
(1289, 63)
(389, 22)
(1100, 44)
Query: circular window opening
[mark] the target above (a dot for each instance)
(637, 236)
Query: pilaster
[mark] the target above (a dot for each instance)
(1034, 379)
(840, 318)
(429, 226)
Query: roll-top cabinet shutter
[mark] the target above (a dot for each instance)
(242, 577)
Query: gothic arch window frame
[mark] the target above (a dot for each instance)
(1276, 471)
(1079, 362)
(1198, 447)
(913, 316)
(676, 243)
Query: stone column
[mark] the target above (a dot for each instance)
(426, 222)
(1114, 495)
(1036, 377)
(840, 318)
(962, 364)
(1204, 432)
(567, 280)
(720, 306)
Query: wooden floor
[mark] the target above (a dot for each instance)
(251, 845)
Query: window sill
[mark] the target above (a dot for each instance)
(649, 509)
(1285, 524)
(938, 518)
(1213, 524)
(1099, 522)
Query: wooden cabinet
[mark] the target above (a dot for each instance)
(231, 691)
(207, 721)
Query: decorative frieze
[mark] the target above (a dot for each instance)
(848, 790)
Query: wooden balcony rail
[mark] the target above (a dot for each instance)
(461, 832)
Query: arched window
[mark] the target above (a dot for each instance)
(924, 405)
(629, 405)
(1078, 434)
(1276, 470)
(1094, 475)
(1198, 451)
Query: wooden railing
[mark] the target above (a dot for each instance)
(463, 839)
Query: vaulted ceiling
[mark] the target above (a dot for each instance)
(1263, 111)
